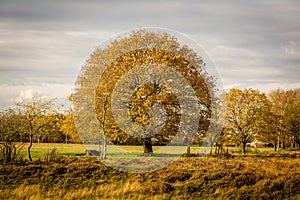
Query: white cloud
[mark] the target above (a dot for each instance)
(9, 94)
(27, 94)
(292, 50)
(273, 86)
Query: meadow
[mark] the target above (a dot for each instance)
(39, 150)
(66, 173)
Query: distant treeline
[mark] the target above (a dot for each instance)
(246, 115)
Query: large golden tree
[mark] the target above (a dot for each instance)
(113, 78)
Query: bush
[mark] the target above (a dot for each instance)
(52, 156)
(10, 152)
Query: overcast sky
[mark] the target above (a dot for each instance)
(44, 43)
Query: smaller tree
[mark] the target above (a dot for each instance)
(9, 134)
(34, 114)
(292, 117)
(215, 133)
(269, 125)
(294, 125)
(68, 128)
(51, 130)
(280, 101)
(243, 110)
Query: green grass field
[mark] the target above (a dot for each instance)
(39, 150)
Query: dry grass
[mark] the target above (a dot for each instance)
(187, 178)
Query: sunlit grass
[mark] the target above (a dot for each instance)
(40, 150)
(186, 178)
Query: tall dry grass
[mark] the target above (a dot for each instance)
(187, 178)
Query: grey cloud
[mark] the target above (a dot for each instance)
(47, 41)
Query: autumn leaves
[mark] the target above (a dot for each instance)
(142, 86)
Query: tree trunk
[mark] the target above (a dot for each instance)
(29, 147)
(188, 150)
(278, 141)
(100, 148)
(148, 147)
(293, 142)
(66, 139)
(244, 147)
(104, 147)
(219, 148)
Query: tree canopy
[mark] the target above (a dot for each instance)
(98, 97)
(243, 112)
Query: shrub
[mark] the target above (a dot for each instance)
(10, 152)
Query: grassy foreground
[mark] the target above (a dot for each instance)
(67, 177)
